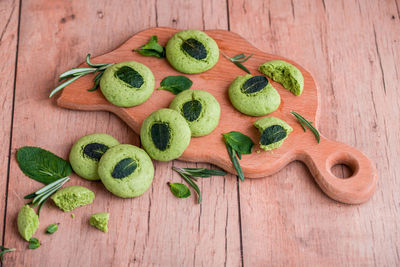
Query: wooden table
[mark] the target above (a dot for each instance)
(352, 48)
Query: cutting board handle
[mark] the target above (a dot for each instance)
(356, 189)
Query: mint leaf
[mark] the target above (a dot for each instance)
(152, 48)
(34, 243)
(239, 142)
(176, 84)
(179, 190)
(42, 165)
(52, 228)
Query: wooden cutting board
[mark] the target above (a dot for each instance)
(299, 145)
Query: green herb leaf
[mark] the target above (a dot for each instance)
(42, 165)
(129, 76)
(77, 73)
(191, 110)
(160, 134)
(34, 243)
(254, 84)
(95, 150)
(272, 134)
(189, 180)
(239, 142)
(179, 190)
(176, 84)
(152, 48)
(52, 228)
(235, 161)
(202, 172)
(4, 250)
(194, 48)
(238, 60)
(124, 168)
(305, 122)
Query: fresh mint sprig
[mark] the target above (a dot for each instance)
(76, 73)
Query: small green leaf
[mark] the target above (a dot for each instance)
(179, 190)
(272, 134)
(129, 76)
(305, 122)
(235, 161)
(34, 243)
(124, 168)
(191, 110)
(238, 60)
(254, 84)
(152, 48)
(95, 150)
(203, 172)
(240, 65)
(194, 48)
(42, 165)
(160, 134)
(52, 228)
(239, 142)
(176, 84)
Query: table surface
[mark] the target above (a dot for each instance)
(352, 48)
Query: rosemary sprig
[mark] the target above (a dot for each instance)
(238, 60)
(235, 161)
(40, 196)
(305, 122)
(4, 250)
(76, 73)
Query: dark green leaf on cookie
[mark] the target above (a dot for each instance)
(95, 150)
(272, 134)
(160, 134)
(194, 48)
(176, 84)
(124, 168)
(254, 84)
(191, 110)
(129, 76)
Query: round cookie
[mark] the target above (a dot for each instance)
(165, 134)
(127, 84)
(253, 95)
(284, 73)
(273, 132)
(126, 171)
(200, 109)
(192, 51)
(86, 153)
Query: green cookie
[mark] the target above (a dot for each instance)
(192, 51)
(284, 73)
(28, 222)
(165, 134)
(126, 171)
(273, 132)
(253, 96)
(127, 84)
(86, 153)
(200, 109)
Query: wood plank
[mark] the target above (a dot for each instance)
(206, 234)
(285, 219)
(8, 47)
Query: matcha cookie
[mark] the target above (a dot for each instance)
(284, 73)
(127, 84)
(273, 132)
(200, 109)
(100, 221)
(86, 153)
(28, 222)
(165, 134)
(72, 197)
(254, 96)
(192, 51)
(126, 171)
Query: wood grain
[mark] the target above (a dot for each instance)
(269, 222)
(8, 47)
(335, 41)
